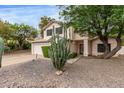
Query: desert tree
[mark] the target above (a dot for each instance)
(102, 21)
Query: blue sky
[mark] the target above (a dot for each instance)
(28, 14)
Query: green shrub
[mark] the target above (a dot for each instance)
(1, 49)
(45, 51)
(122, 38)
(72, 55)
(11, 45)
(122, 42)
(26, 45)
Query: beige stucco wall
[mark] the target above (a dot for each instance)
(75, 46)
(56, 25)
(77, 37)
(121, 51)
(97, 41)
(70, 33)
(89, 48)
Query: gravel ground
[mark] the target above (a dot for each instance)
(87, 72)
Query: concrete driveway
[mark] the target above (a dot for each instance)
(17, 57)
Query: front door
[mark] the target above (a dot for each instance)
(81, 49)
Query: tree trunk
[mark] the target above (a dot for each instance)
(118, 47)
(115, 50)
(21, 44)
(105, 42)
(108, 54)
(0, 60)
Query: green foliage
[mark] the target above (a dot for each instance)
(43, 22)
(123, 43)
(45, 51)
(123, 40)
(34, 34)
(16, 34)
(22, 33)
(88, 18)
(5, 30)
(102, 20)
(97, 20)
(1, 50)
(26, 46)
(72, 55)
(59, 51)
(11, 44)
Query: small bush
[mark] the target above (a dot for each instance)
(1, 50)
(123, 42)
(45, 51)
(11, 45)
(26, 45)
(72, 55)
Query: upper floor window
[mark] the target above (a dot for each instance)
(101, 48)
(59, 30)
(49, 32)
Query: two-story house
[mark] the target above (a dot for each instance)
(83, 45)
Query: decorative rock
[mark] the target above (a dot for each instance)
(33, 60)
(5, 81)
(59, 72)
(34, 74)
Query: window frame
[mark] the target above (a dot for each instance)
(49, 32)
(58, 32)
(102, 50)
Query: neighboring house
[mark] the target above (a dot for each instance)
(82, 45)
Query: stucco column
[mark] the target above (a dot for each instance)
(85, 46)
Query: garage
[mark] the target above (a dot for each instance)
(36, 47)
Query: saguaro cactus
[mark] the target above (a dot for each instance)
(59, 51)
(1, 50)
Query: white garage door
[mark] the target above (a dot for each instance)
(36, 48)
